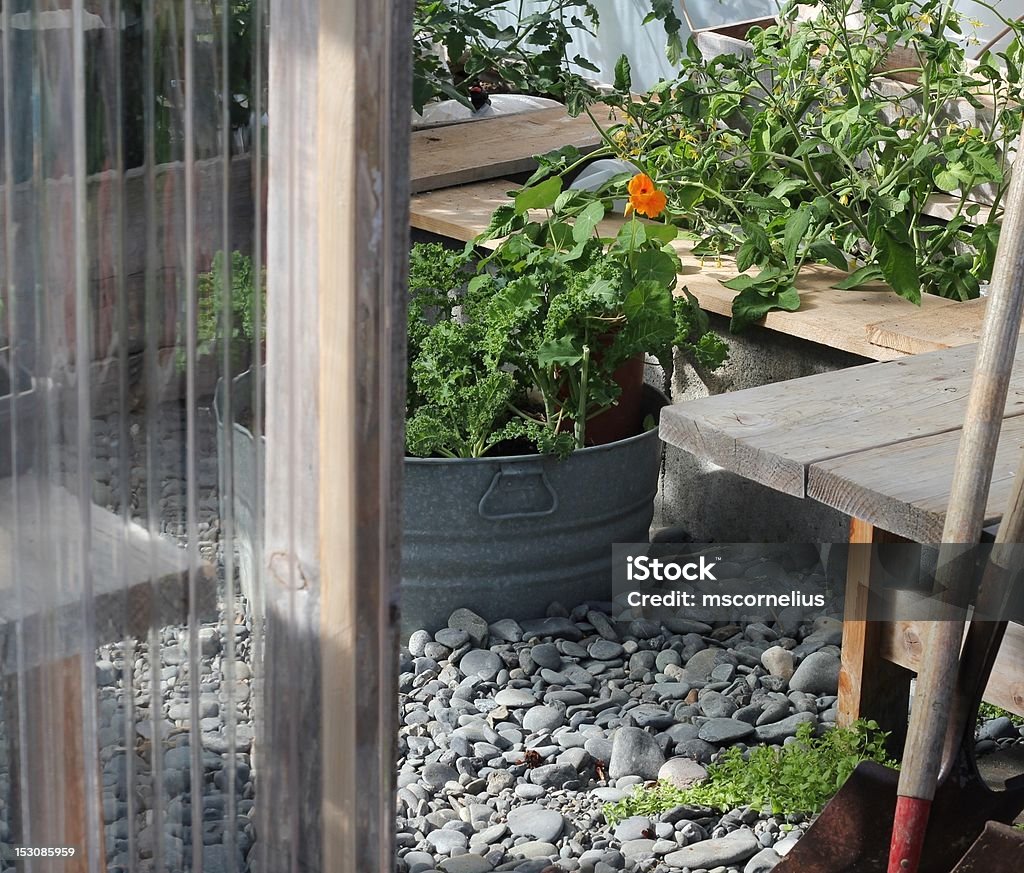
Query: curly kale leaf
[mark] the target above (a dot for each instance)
(694, 335)
(461, 402)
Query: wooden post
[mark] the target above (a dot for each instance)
(338, 249)
(869, 686)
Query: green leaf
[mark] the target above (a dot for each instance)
(796, 228)
(656, 266)
(898, 261)
(587, 220)
(661, 233)
(541, 196)
(631, 236)
(824, 250)
(750, 306)
(861, 276)
(504, 221)
(646, 299)
(623, 78)
(558, 352)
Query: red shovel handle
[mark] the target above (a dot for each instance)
(908, 830)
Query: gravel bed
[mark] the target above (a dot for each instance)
(515, 734)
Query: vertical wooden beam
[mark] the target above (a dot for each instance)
(870, 687)
(55, 772)
(340, 84)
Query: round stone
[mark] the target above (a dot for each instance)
(515, 698)
(547, 656)
(682, 772)
(635, 753)
(446, 841)
(817, 674)
(543, 718)
(605, 650)
(533, 820)
(437, 775)
(481, 662)
(724, 730)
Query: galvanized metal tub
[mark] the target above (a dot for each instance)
(245, 490)
(506, 536)
(19, 402)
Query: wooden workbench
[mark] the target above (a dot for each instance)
(827, 316)
(876, 442)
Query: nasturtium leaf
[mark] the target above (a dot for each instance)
(587, 220)
(656, 266)
(540, 196)
(662, 233)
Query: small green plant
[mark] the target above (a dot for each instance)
(458, 44)
(807, 150)
(797, 778)
(988, 711)
(210, 309)
(529, 347)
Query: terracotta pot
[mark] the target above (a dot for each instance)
(625, 418)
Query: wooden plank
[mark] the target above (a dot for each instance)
(930, 329)
(140, 581)
(494, 147)
(869, 686)
(905, 487)
(337, 254)
(902, 644)
(53, 765)
(774, 433)
(829, 317)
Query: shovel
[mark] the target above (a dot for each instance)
(939, 790)
(852, 834)
(999, 849)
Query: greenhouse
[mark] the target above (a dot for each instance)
(543, 436)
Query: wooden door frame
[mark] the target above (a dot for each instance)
(338, 245)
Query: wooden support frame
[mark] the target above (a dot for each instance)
(869, 685)
(879, 659)
(340, 88)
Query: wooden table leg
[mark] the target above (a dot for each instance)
(870, 687)
(54, 813)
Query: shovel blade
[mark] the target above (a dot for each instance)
(999, 849)
(852, 833)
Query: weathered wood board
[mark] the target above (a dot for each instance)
(905, 487)
(139, 580)
(829, 317)
(774, 433)
(902, 643)
(493, 147)
(931, 329)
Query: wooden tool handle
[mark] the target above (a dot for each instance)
(929, 717)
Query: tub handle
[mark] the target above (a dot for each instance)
(518, 491)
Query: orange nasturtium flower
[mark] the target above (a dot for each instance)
(644, 198)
